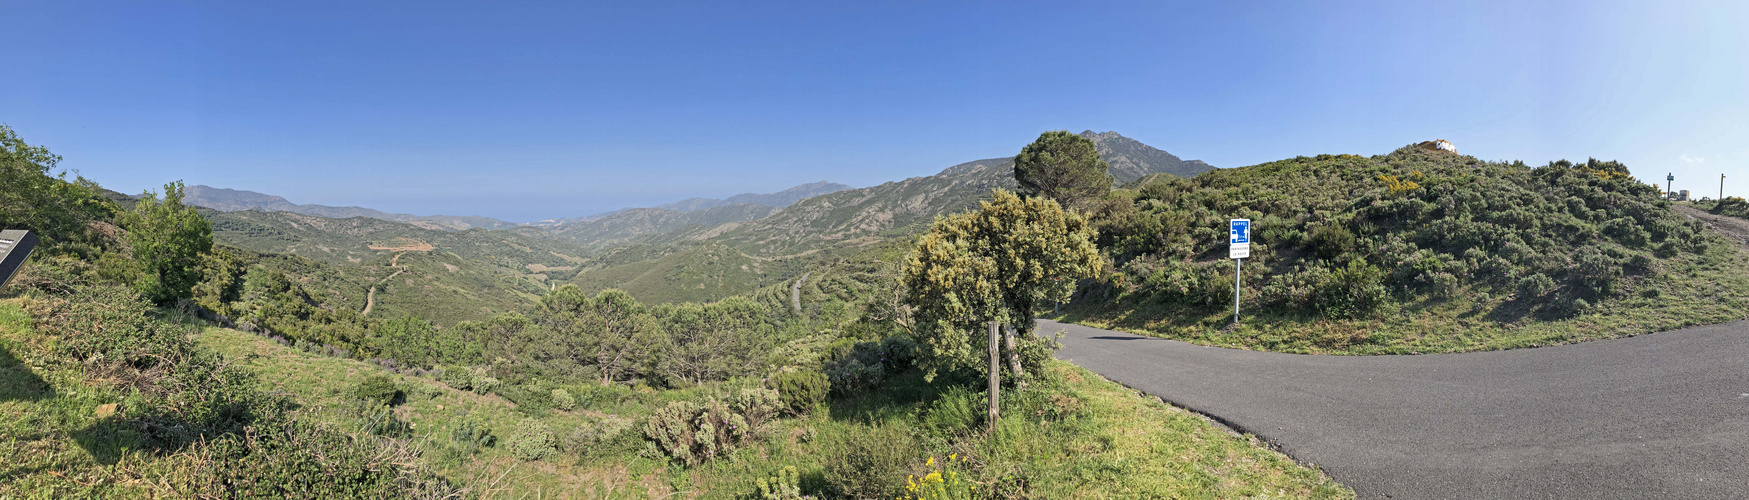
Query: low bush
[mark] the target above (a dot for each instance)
(379, 390)
(532, 440)
(786, 485)
(380, 420)
(481, 382)
(867, 461)
(868, 363)
(593, 435)
(1331, 241)
(473, 433)
(562, 400)
(1341, 292)
(691, 433)
(1535, 286)
(954, 411)
(801, 390)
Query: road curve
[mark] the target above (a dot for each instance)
(1654, 416)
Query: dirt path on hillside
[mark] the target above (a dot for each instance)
(1734, 229)
(370, 298)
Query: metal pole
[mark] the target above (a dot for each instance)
(1721, 187)
(1237, 263)
(995, 379)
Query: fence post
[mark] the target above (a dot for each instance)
(995, 377)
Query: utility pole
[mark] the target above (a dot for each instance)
(1721, 187)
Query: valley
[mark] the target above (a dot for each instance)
(713, 349)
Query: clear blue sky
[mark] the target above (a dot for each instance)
(528, 112)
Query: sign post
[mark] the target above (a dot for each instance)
(15, 246)
(1668, 180)
(1238, 248)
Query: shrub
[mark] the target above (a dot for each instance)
(955, 410)
(786, 485)
(532, 440)
(1535, 286)
(1626, 231)
(294, 459)
(457, 377)
(868, 363)
(692, 433)
(802, 390)
(1331, 241)
(867, 461)
(853, 376)
(481, 382)
(1350, 291)
(379, 390)
(380, 420)
(1596, 270)
(593, 435)
(562, 400)
(473, 433)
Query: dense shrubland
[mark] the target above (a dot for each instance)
(97, 356)
(1359, 240)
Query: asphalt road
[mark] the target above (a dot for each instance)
(1654, 416)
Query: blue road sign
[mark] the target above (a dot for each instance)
(1239, 239)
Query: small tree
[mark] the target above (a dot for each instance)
(169, 242)
(1064, 167)
(993, 265)
(628, 337)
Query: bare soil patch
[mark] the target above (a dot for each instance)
(1735, 229)
(403, 245)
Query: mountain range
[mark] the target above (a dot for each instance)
(236, 200)
(697, 249)
(706, 262)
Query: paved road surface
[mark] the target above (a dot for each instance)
(1653, 416)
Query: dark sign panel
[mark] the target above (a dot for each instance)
(15, 246)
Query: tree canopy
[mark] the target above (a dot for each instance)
(1064, 167)
(993, 264)
(169, 241)
(30, 198)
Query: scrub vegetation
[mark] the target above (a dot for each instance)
(132, 367)
(1414, 251)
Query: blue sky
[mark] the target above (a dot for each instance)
(525, 112)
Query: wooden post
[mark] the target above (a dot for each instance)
(995, 377)
(1014, 358)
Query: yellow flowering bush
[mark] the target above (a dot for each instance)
(943, 482)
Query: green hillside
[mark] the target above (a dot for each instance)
(827, 228)
(625, 226)
(350, 240)
(1414, 251)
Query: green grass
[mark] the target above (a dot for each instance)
(51, 436)
(1117, 445)
(1692, 290)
